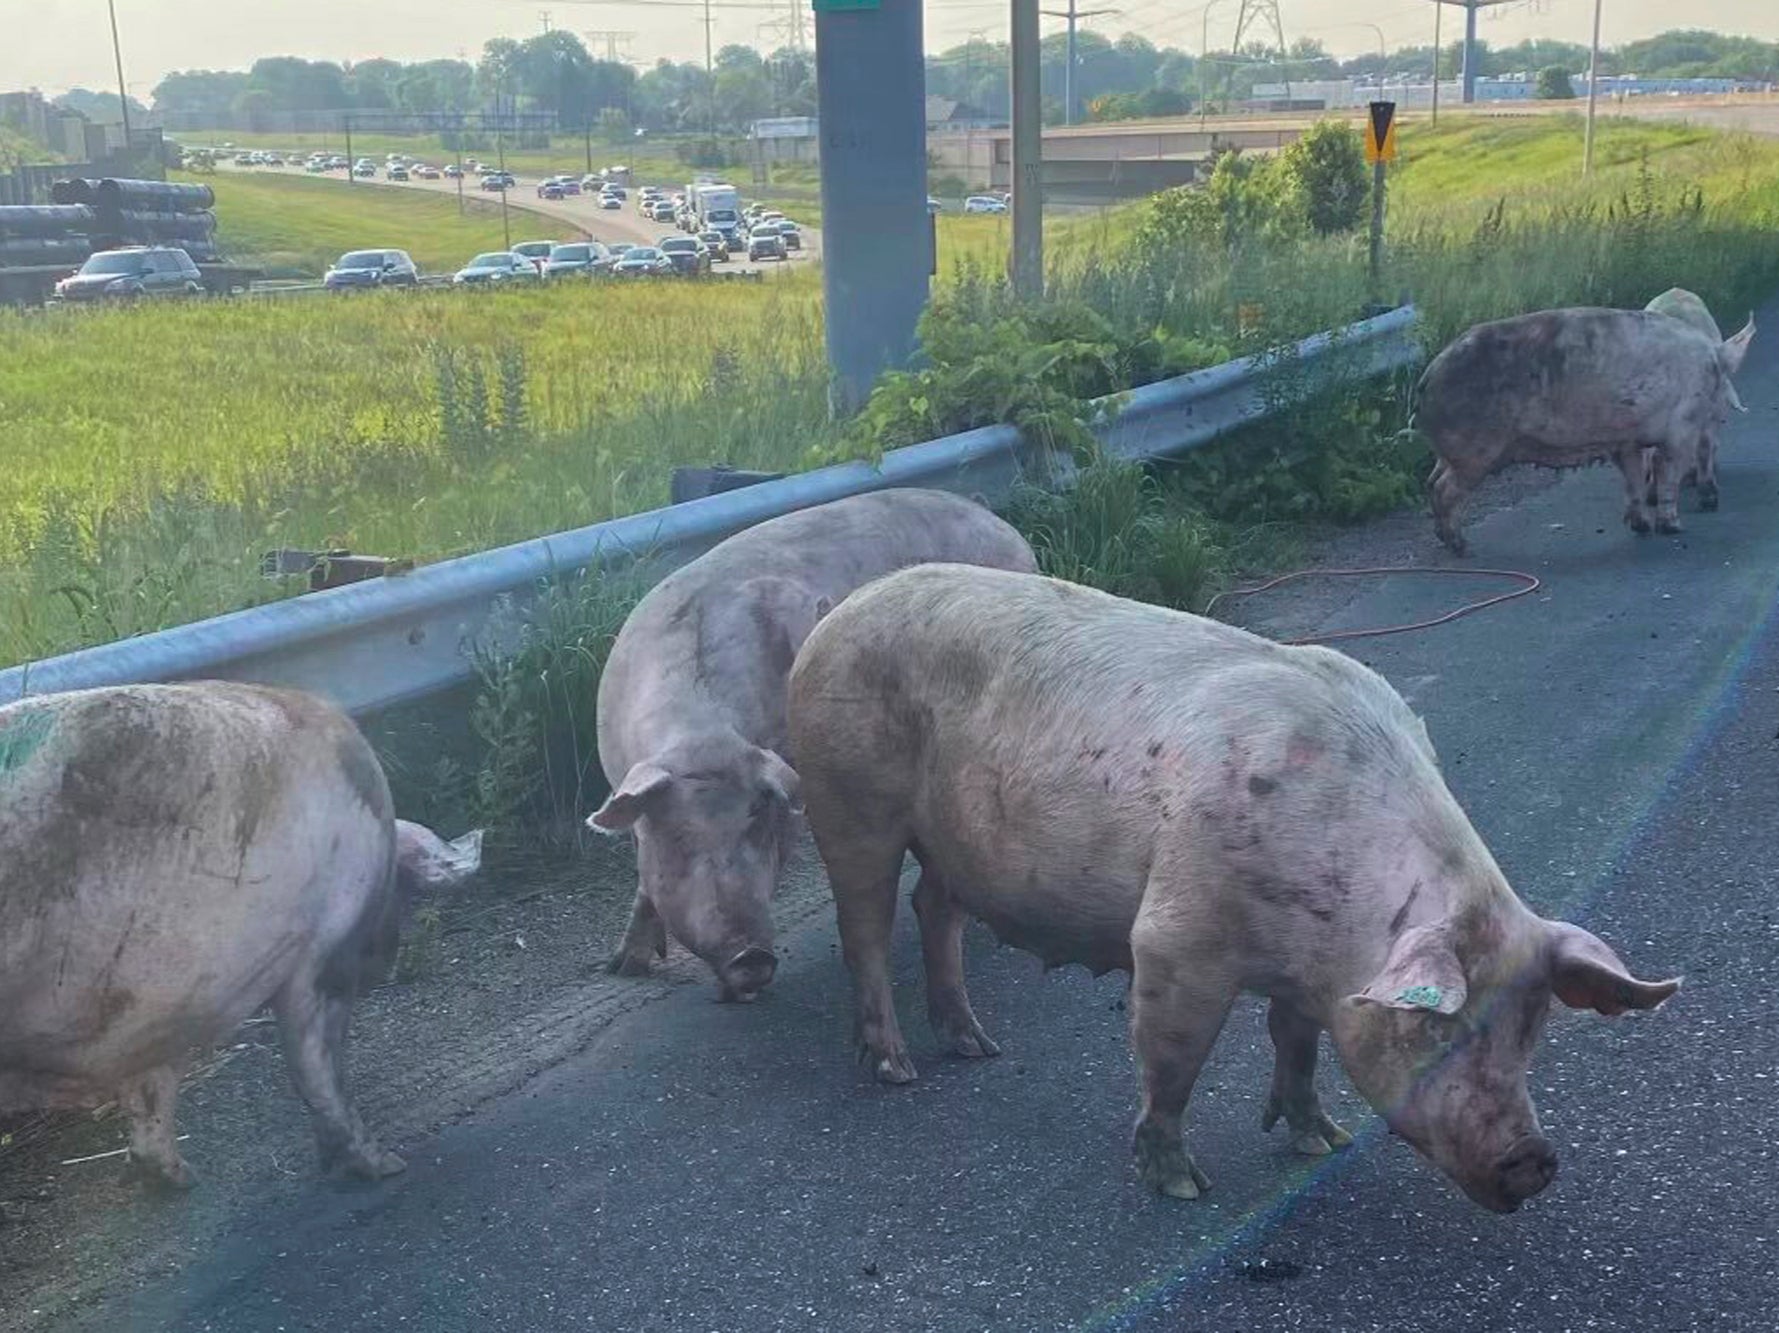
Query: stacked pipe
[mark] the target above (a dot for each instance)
(45, 234)
(133, 212)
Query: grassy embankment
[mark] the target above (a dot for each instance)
(296, 226)
(160, 450)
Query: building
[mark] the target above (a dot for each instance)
(946, 113)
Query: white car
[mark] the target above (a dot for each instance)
(984, 203)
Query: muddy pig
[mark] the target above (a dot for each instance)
(1563, 388)
(173, 857)
(1114, 784)
(691, 713)
(1678, 303)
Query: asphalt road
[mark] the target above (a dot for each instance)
(712, 1168)
(583, 211)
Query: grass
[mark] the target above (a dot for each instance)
(296, 226)
(166, 447)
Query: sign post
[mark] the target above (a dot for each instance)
(1380, 147)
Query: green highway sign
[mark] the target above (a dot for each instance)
(844, 6)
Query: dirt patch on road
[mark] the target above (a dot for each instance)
(516, 984)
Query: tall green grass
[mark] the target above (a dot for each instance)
(153, 453)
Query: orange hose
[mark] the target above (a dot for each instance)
(1529, 583)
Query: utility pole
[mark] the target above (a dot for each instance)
(710, 80)
(1587, 152)
(123, 93)
(1028, 154)
(1438, 14)
(1204, 62)
(544, 14)
(500, 148)
(1073, 16)
(351, 162)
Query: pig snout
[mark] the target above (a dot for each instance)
(748, 973)
(1528, 1165)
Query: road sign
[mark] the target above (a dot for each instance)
(844, 6)
(1380, 133)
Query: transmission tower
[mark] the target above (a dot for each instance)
(613, 43)
(1258, 19)
(791, 28)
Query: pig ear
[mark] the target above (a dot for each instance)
(1734, 349)
(1586, 974)
(622, 808)
(782, 779)
(1421, 973)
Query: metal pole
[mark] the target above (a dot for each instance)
(1438, 13)
(500, 147)
(710, 82)
(460, 204)
(1204, 63)
(351, 162)
(1068, 74)
(1587, 152)
(1028, 154)
(1377, 229)
(871, 95)
(1469, 51)
(123, 93)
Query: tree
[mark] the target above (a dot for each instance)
(1554, 85)
(1327, 164)
(101, 108)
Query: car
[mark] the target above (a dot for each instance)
(688, 255)
(616, 191)
(495, 181)
(577, 259)
(494, 268)
(338, 163)
(426, 173)
(131, 273)
(244, 159)
(934, 206)
(662, 211)
(397, 173)
(570, 184)
(610, 200)
(367, 170)
(716, 244)
(764, 242)
(793, 237)
(550, 190)
(538, 252)
(453, 171)
(314, 165)
(771, 215)
(273, 160)
(618, 249)
(984, 203)
(359, 269)
(642, 261)
(591, 182)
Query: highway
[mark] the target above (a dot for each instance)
(711, 1168)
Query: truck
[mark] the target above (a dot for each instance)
(716, 206)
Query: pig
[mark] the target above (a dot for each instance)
(691, 713)
(1563, 388)
(1127, 787)
(1678, 303)
(173, 857)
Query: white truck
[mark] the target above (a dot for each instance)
(716, 206)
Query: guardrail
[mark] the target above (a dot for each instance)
(371, 645)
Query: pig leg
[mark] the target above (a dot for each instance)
(1448, 489)
(1180, 996)
(154, 1147)
(312, 1026)
(1706, 472)
(1667, 491)
(864, 869)
(1293, 1096)
(645, 940)
(1630, 466)
(942, 924)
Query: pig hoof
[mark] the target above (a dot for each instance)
(1708, 499)
(1637, 523)
(1168, 1169)
(889, 1066)
(374, 1164)
(628, 965)
(174, 1175)
(966, 1039)
(1310, 1144)
(1668, 527)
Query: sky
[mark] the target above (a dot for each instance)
(58, 44)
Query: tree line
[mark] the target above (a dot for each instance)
(554, 74)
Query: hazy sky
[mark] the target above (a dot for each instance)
(57, 44)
